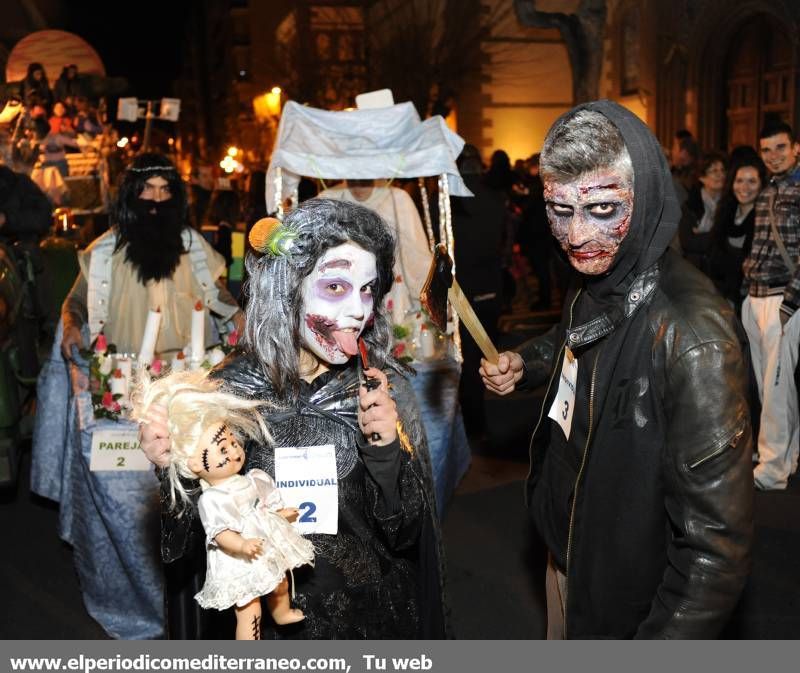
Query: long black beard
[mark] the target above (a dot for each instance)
(153, 244)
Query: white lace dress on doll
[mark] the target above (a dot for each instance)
(247, 504)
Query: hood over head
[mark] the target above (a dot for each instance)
(656, 212)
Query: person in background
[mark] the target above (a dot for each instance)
(53, 147)
(734, 226)
(150, 259)
(770, 310)
(684, 155)
(534, 236)
(499, 176)
(68, 85)
(35, 84)
(700, 209)
(24, 209)
(223, 215)
(85, 120)
(59, 121)
(478, 232)
(202, 186)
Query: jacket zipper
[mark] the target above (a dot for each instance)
(565, 597)
(547, 392)
(717, 450)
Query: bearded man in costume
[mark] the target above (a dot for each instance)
(640, 480)
(149, 260)
(317, 290)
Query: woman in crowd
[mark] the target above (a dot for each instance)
(699, 211)
(317, 288)
(734, 225)
(224, 213)
(35, 88)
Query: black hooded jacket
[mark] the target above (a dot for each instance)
(647, 508)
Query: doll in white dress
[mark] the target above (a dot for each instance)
(250, 541)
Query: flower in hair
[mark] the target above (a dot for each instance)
(270, 236)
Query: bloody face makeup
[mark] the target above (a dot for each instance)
(338, 302)
(590, 216)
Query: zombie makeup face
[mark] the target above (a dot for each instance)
(219, 454)
(338, 302)
(590, 216)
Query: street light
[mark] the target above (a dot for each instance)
(267, 106)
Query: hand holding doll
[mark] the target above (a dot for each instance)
(250, 542)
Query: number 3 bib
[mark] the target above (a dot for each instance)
(306, 477)
(561, 411)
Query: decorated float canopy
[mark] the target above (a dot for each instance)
(54, 49)
(389, 142)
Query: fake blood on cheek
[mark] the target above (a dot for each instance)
(330, 336)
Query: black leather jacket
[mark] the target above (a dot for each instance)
(658, 507)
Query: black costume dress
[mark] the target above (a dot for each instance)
(380, 576)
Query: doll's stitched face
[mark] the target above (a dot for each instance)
(338, 302)
(219, 454)
(590, 216)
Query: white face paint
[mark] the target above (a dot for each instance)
(338, 302)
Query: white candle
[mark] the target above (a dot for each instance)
(150, 337)
(426, 341)
(119, 385)
(178, 363)
(198, 334)
(125, 365)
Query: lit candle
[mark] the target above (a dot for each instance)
(150, 337)
(178, 363)
(198, 351)
(124, 365)
(119, 385)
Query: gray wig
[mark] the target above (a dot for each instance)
(582, 141)
(274, 289)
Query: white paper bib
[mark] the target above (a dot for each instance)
(306, 477)
(563, 405)
(117, 450)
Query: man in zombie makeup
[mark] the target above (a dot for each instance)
(149, 259)
(366, 499)
(640, 481)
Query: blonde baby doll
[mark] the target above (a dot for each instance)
(250, 542)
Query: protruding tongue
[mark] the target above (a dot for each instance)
(346, 341)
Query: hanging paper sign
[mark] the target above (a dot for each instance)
(563, 405)
(306, 477)
(116, 450)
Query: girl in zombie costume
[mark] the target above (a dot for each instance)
(317, 288)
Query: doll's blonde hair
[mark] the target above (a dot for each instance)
(193, 402)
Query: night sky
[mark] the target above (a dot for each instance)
(140, 40)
